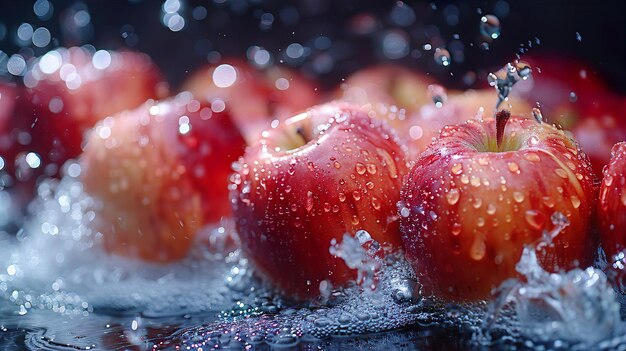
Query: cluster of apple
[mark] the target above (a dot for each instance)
(435, 173)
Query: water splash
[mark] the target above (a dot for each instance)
(504, 79)
(549, 307)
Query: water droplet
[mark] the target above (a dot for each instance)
(457, 168)
(337, 164)
(360, 168)
(480, 222)
(561, 173)
(548, 201)
(573, 97)
(356, 195)
(442, 57)
(490, 27)
(491, 209)
(513, 167)
(376, 203)
(537, 115)
(371, 168)
(478, 249)
(535, 219)
(309, 201)
(453, 196)
(456, 228)
(369, 185)
(518, 197)
(532, 157)
(575, 201)
(342, 197)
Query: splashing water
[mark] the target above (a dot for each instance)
(504, 80)
(549, 307)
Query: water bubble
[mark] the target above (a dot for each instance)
(101, 59)
(25, 32)
(490, 27)
(442, 57)
(43, 9)
(402, 14)
(266, 22)
(395, 44)
(259, 56)
(579, 37)
(573, 97)
(41, 37)
(295, 50)
(199, 13)
(224, 76)
(16, 65)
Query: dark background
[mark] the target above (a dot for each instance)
(232, 26)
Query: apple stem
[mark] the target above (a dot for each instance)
(502, 117)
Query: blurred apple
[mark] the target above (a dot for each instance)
(161, 173)
(254, 97)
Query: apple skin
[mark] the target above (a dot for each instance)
(254, 97)
(601, 125)
(289, 204)
(158, 182)
(66, 95)
(469, 211)
(612, 203)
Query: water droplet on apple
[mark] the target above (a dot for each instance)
(371, 168)
(309, 201)
(376, 203)
(575, 201)
(457, 168)
(480, 222)
(561, 173)
(535, 219)
(360, 168)
(456, 228)
(342, 197)
(453, 196)
(513, 167)
(532, 157)
(491, 209)
(356, 195)
(548, 201)
(518, 197)
(478, 249)
(327, 207)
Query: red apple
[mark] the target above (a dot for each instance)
(254, 97)
(161, 172)
(314, 177)
(612, 204)
(601, 125)
(9, 94)
(69, 90)
(475, 198)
